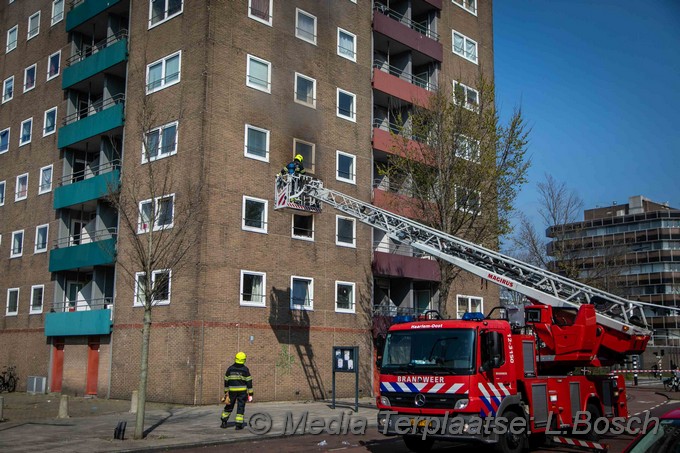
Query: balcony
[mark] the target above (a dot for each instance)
(82, 11)
(92, 121)
(412, 34)
(85, 250)
(103, 56)
(401, 260)
(384, 140)
(401, 84)
(81, 317)
(90, 184)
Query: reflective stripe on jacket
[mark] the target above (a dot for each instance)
(238, 379)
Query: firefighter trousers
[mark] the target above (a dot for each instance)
(237, 399)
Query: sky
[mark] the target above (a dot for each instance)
(598, 82)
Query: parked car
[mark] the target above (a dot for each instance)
(665, 439)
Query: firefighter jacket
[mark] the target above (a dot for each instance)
(238, 379)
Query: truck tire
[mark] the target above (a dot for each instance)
(594, 411)
(510, 442)
(418, 444)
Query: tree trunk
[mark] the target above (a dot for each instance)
(143, 374)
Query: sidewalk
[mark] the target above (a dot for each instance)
(91, 430)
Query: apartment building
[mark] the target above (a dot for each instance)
(224, 93)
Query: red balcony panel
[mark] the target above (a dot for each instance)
(399, 204)
(393, 265)
(436, 3)
(402, 33)
(400, 88)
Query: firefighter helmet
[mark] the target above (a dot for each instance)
(298, 157)
(240, 358)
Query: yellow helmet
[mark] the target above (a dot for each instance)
(298, 157)
(240, 358)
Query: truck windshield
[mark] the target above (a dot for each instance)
(450, 351)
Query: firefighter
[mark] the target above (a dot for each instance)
(294, 168)
(238, 388)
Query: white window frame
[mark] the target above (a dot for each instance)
(11, 45)
(302, 36)
(297, 236)
(464, 102)
(246, 144)
(259, 19)
(56, 74)
(250, 303)
(353, 302)
(465, 148)
(45, 133)
(12, 254)
(310, 293)
(3, 186)
(136, 302)
(56, 18)
(465, 208)
(337, 231)
(265, 214)
(31, 309)
(353, 175)
(159, 154)
(7, 81)
(465, 5)
(30, 36)
(22, 140)
(166, 18)
(459, 315)
(295, 90)
(163, 62)
(35, 75)
(255, 86)
(41, 187)
(9, 291)
(47, 238)
(354, 47)
(17, 194)
(155, 207)
(8, 139)
(463, 54)
(353, 117)
(309, 163)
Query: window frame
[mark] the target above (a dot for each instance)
(18, 293)
(31, 309)
(249, 303)
(312, 158)
(56, 74)
(310, 293)
(17, 196)
(34, 66)
(465, 207)
(354, 45)
(461, 3)
(155, 209)
(246, 146)
(54, 129)
(353, 303)
(337, 231)
(265, 214)
(53, 22)
(295, 90)
(37, 250)
(8, 139)
(469, 304)
(465, 147)
(259, 19)
(352, 118)
(23, 142)
(463, 54)
(155, 302)
(145, 157)
(353, 175)
(41, 186)
(167, 17)
(163, 62)
(299, 11)
(12, 253)
(465, 103)
(30, 36)
(11, 45)
(268, 89)
(8, 80)
(3, 192)
(309, 238)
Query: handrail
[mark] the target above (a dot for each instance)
(74, 305)
(384, 9)
(86, 238)
(83, 54)
(96, 171)
(96, 106)
(410, 78)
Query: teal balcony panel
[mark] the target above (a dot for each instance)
(95, 63)
(87, 189)
(89, 322)
(91, 126)
(98, 253)
(86, 10)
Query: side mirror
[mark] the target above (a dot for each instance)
(492, 351)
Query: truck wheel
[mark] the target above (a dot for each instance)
(594, 415)
(510, 442)
(418, 444)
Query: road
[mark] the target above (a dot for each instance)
(639, 401)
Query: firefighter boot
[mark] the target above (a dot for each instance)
(224, 424)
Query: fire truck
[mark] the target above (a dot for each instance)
(492, 368)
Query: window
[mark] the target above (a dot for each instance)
(163, 73)
(345, 167)
(8, 89)
(29, 78)
(305, 90)
(344, 297)
(57, 11)
(468, 200)
(305, 26)
(260, 10)
(37, 294)
(345, 231)
(4, 140)
(53, 65)
(12, 38)
(254, 214)
(26, 131)
(256, 143)
(465, 47)
(45, 184)
(2, 193)
(467, 148)
(466, 96)
(469, 5)
(159, 213)
(468, 304)
(162, 10)
(346, 105)
(33, 26)
(306, 150)
(303, 227)
(160, 142)
(347, 44)
(50, 122)
(253, 288)
(41, 233)
(12, 302)
(301, 293)
(160, 287)
(258, 74)
(17, 244)
(22, 187)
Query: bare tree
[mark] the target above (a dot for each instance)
(461, 167)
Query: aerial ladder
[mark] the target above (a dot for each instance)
(600, 328)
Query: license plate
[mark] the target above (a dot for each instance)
(421, 423)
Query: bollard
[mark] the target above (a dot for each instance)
(63, 407)
(2, 405)
(133, 402)
(635, 368)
